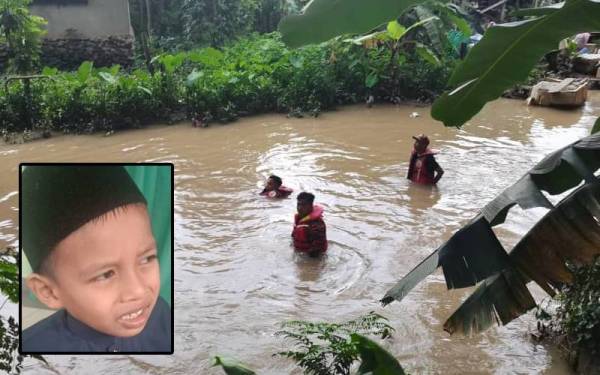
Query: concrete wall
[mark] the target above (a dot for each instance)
(97, 19)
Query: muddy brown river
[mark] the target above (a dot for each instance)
(236, 276)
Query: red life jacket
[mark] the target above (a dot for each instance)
(302, 227)
(419, 170)
(281, 192)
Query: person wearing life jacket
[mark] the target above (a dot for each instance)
(275, 189)
(309, 234)
(423, 168)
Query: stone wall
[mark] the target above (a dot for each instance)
(88, 20)
(68, 54)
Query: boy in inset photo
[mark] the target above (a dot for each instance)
(87, 234)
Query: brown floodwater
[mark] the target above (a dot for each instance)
(236, 276)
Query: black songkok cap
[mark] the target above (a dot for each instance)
(59, 199)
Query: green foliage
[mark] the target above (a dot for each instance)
(501, 59)
(9, 279)
(214, 22)
(10, 360)
(328, 348)
(256, 74)
(374, 359)
(325, 19)
(506, 55)
(596, 126)
(22, 33)
(231, 366)
(579, 312)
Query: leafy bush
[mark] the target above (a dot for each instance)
(328, 348)
(579, 312)
(10, 360)
(253, 75)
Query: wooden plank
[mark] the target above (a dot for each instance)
(561, 85)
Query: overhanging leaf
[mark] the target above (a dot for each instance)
(374, 359)
(322, 20)
(568, 233)
(505, 56)
(231, 366)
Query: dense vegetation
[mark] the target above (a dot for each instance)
(579, 312)
(252, 75)
(323, 348)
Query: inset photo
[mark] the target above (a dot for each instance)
(96, 244)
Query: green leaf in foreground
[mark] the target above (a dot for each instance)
(506, 55)
(322, 20)
(596, 126)
(231, 366)
(84, 71)
(374, 359)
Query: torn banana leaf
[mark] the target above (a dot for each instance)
(568, 233)
(500, 298)
(556, 173)
(469, 256)
(474, 253)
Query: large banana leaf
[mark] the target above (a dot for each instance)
(506, 55)
(568, 233)
(469, 256)
(473, 253)
(322, 20)
(503, 58)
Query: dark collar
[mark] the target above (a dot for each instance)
(83, 331)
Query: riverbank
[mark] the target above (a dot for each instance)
(255, 75)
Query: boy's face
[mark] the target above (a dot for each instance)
(271, 185)
(106, 273)
(420, 146)
(304, 208)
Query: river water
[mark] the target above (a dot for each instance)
(236, 276)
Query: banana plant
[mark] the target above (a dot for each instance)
(394, 37)
(569, 232)
(393, 34)
(503, 58)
